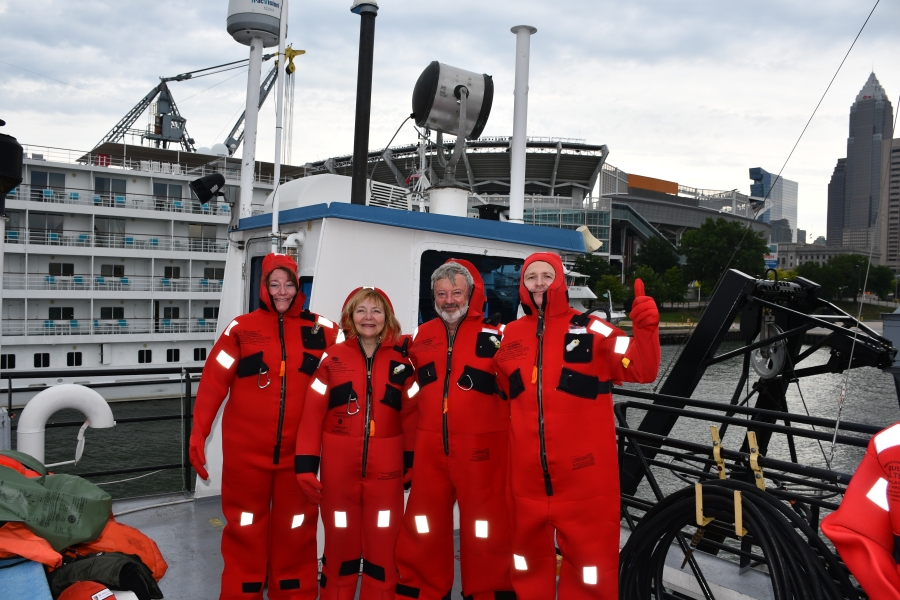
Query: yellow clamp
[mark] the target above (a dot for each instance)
(717, 450)
(739, 515)
(698, 504)
(290, 53)
(754, 461)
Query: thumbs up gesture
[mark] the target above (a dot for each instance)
(644, 314)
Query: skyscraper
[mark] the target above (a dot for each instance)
(889, 212)
(835, 227)
(871, 122)
(782, 199)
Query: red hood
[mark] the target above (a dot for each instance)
(477, 299)
(556, 299)
(280, 261)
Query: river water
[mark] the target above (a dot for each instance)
(870, 398)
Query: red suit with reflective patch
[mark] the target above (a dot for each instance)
(865, 530)
(461, 455)
(557, 367)
(354, 415)
(262, 363)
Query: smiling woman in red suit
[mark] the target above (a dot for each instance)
(262, 362)
(358, 419)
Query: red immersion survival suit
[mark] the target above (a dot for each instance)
(866, 528)
(356, 411)
(462, 439)
(557, 367)
(263, 362)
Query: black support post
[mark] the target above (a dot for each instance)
(367, 13)
(186, 412)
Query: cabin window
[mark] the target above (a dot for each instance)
(501, 283)
(110, 233)
(210, 312)
(109, 186)
(8, 361)
(112, 312)
(171, 312)
(41, 360)
(199, 354)
(172, 272)
(214, 273)
(202, 237)
(173, 355)
(170, 191)
(44, 228)
(73, 359)
(42, 180)
(62, 268)
(145, 356)
(112, 270)
(58, 313)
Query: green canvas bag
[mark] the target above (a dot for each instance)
(62, 509)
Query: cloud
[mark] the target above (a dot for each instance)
(695, 92)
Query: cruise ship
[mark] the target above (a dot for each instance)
(110, 263)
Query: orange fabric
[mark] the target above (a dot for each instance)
(6, 461)
(17, 540)
(118, 537)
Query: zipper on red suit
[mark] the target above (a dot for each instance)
(367, 433)
(277, 453)
(548, 486)
(445, 407)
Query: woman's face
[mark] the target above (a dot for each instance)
(282, 289)
(538, 276)
(368, 318)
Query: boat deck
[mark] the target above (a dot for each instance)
(188, 533)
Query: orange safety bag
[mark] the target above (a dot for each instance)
(17, 541)
(118, 537)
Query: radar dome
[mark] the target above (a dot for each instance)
(248, 19)
(203, 150)
(219, 150)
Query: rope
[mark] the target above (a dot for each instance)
(131, 478)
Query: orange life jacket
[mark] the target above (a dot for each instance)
(118, 537)
(16, 540)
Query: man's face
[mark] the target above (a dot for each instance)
(451, 298)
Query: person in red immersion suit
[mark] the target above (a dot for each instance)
(262, 362)
(865, 529)
(461, 450)
(557, 366)
(357, 415)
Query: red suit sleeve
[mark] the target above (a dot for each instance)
(218, 373)
(861, 530)
(636, 359)
(309, 433)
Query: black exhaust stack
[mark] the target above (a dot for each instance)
(367, 10)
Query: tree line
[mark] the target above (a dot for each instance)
(708, 251)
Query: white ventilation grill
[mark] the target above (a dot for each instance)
(389, 196)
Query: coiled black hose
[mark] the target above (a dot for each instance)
(800, 569)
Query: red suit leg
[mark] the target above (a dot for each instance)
(293, 572)
(425, 543)
(585, 530)
(382, 514)
(533, 572)
(341, 516)
(246, 495)
(478, 470)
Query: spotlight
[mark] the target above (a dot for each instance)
(206, 188)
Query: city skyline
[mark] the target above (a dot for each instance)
(641, 77)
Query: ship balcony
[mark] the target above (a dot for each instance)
(129, 283)
(113, 200)
(123, 241)
(64, 327)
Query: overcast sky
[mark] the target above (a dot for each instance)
(691, 91)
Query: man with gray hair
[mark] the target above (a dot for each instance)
(460, 450)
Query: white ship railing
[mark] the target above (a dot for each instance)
(84, 197)
(83, 157)
(56, 327)
(124, 241)
(125, 283)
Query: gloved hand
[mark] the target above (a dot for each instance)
(644, 314)
(311, 487)
(197, 454)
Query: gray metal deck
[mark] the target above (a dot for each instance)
(188, 533)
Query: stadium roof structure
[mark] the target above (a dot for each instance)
(553, 166)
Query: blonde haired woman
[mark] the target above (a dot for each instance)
(355, 419)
